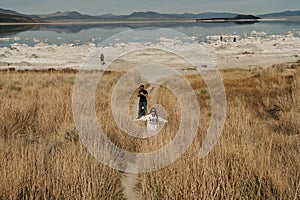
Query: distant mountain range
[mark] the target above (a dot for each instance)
(74, 15)
(11, 16)
(286, 14)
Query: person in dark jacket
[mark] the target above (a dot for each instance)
(143, 95)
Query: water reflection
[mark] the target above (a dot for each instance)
(8, 30)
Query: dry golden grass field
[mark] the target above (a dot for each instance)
(256, 157)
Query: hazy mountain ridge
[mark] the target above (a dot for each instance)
(13, 16)
(65, 15)
(149, 15)
(206, 15)
(10, 16)
(287, 13)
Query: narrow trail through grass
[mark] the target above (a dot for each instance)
(129, 180)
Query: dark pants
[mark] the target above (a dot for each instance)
(142, 108)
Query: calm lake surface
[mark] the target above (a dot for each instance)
(78, 34)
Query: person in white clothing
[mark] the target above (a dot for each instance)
(152, 121)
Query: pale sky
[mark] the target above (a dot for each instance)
(99, 7)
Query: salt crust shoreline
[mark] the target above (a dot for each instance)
(252, 51)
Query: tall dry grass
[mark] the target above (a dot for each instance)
(257, 156)
(41, 155)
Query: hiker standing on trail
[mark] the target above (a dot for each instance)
(143, 95)
(102, 59)
(152, 121)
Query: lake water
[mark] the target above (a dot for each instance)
(81, 33)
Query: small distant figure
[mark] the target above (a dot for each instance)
(234, 39)
(221, 38)
(152, 121)
(143, 95)
(102, 59)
